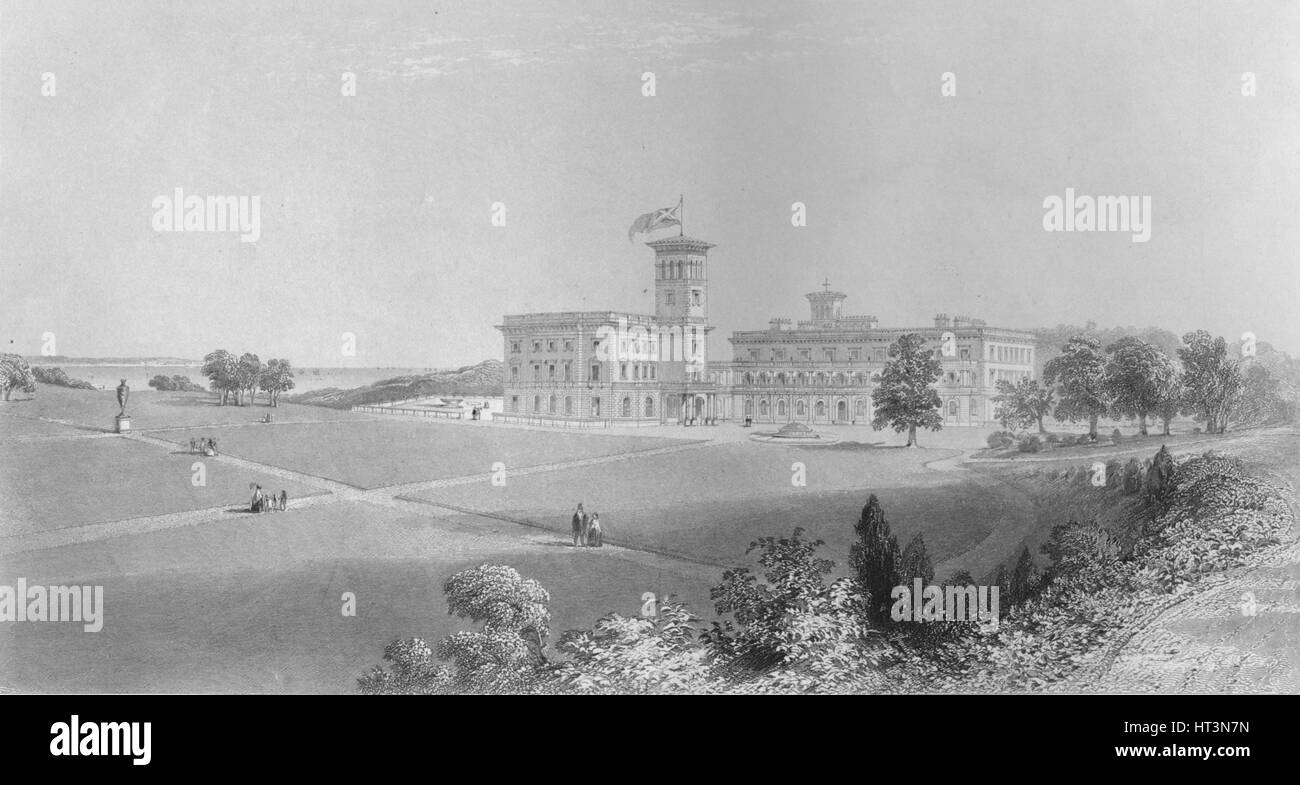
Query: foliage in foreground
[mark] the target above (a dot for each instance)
(787, 629)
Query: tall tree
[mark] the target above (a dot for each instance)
(1079, 372)
(915, 562)
(276, 377)
(247, 374)
(221, 367)
(1021, 404)
(874, 559)
(1212, 382)
(1169, 394)
(1133, 377)
(906, 399)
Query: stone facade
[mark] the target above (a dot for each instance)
(606, 367)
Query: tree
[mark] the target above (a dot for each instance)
(1080, 373)
(276, 377)
(906, 399)
(915, 562)
(247, 373)
(1261, 398)
(1132, 378)
(1168, 394)
(516, 624)
(1021, 404)
(874, 559)
(16, 374)
(1212, 383)
(221, 367)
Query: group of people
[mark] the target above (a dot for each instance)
(205, 445)
(268, 502)
(586, 529)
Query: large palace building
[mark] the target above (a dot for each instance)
(600, 368)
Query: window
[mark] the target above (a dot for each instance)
(627, 407)
(762, 408)
(514, 403)
(952, 408)
(753, 354)
(537, 346)
(652, 371)
(781, 408)
(550, 347)
(537, 373)
(779, 354)
(537, 403)
(568, 372)
(800, 408)
(595, 346)
(695, 297)
(514, 373)
(965, 352)
(568, 346)
(828, 355)
(568, 404)
(649, 407)
(749, 407)
(670, 298)
(805, 354)
(622, 371)
(855, 354)
(514, 347)
(595, 407)
(550, 405)
(550, 372)
(595, 373)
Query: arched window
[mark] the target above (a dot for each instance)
(537, 403)
(550, 405)
(627, 407)
(762, 408)
(551, 371)
(821, 408)
(749, 378)
(952, 408)
(800, 408)
(568, 404)
(781, 408)
(749, 407)
(860, 408)
(649, 407)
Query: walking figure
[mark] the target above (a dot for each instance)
(580, 524)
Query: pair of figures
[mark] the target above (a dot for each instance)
(586, 529)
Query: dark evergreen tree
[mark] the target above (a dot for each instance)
(915, 562)
(874, 559)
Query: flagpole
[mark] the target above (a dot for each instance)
(681, 215)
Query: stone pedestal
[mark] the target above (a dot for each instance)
(123, 422)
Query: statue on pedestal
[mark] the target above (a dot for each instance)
(123, 393)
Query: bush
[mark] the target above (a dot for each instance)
(1031, 444)
(1001, 440)
(1116, 437)
(1083, 438)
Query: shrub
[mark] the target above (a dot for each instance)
(1116, 437)
(1001, 440)
(1083, 438)
(1031, 444)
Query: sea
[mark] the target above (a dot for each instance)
(305, 379)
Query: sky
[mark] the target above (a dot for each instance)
(376, 208)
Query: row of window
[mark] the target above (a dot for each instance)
(551, 405)
(831, 355)
(861, 408)
(626, 372)
(1011, 354)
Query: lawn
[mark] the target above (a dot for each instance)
(392, 450)
(711, 502)
(254, 604)
(71, 482)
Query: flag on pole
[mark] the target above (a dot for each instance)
(667, 216)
